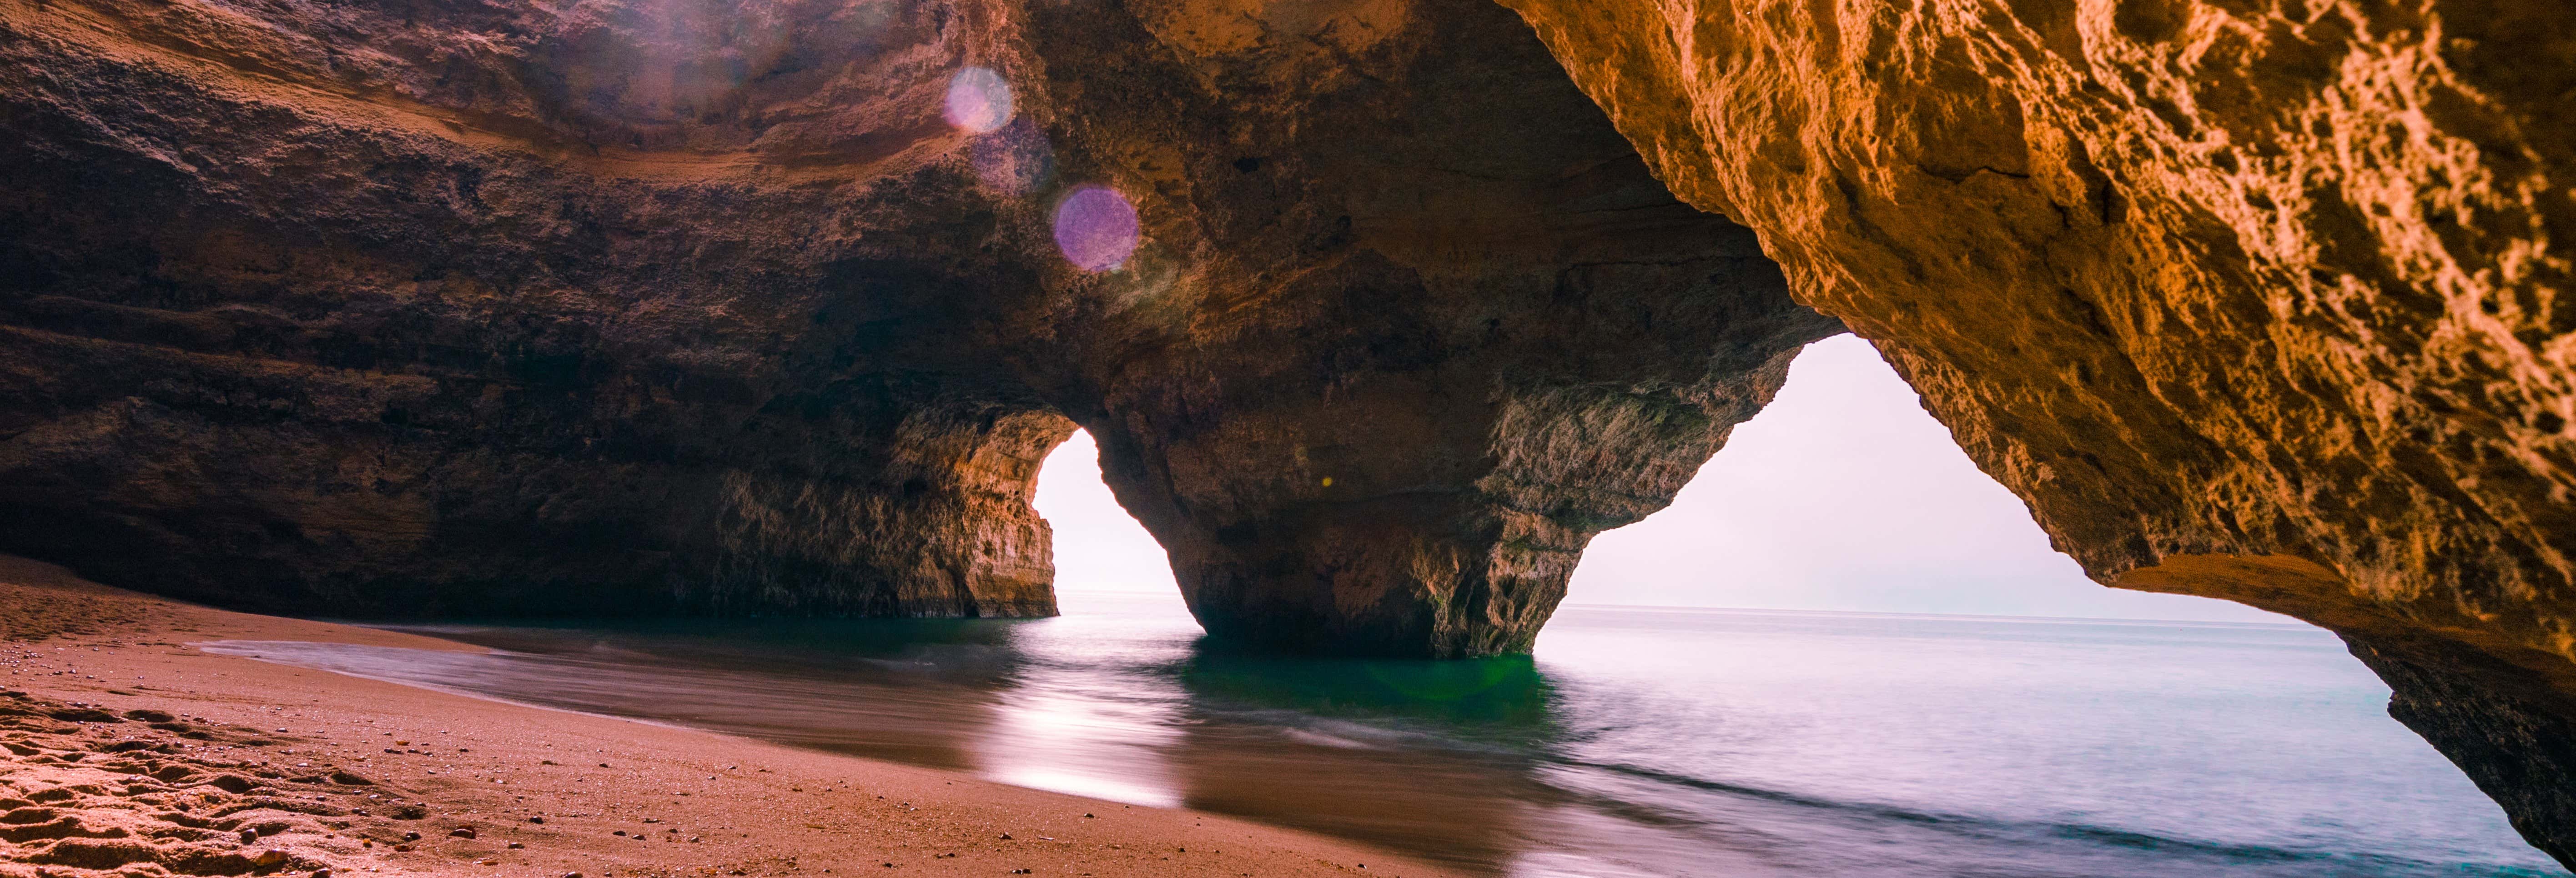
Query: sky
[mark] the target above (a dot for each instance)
(1098, 546)
(1842, 495)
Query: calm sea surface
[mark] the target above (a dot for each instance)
(1636, 742)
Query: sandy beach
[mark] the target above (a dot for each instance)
(130, 752)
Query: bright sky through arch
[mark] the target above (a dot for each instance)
(1098, 546)
(1842, 495)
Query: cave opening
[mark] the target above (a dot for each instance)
(2129, 709)
(1844, 494)
(1101, 552)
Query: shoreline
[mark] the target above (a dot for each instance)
(131, 752)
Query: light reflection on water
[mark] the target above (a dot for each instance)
(1638, 742)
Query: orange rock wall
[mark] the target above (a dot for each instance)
(2258, 299)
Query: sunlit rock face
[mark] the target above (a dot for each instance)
(687, 305)
(2260, 300)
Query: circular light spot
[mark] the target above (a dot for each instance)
(1096, 228)
(978, 100)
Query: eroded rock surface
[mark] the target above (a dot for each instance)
(464, 306)
(425, 308)
(1413, 325)
(711, 306)
(2259, 300)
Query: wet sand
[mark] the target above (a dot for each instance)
(130, 752)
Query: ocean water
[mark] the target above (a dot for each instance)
(1636, 742)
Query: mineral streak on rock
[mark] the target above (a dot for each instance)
(2259, 299)
(765, 307)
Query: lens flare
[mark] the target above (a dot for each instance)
(1096, 228)
(978, 100)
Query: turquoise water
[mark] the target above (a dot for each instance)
(1636, 742)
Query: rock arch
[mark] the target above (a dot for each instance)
(417, 306)
(707, 308)
(2256, 300)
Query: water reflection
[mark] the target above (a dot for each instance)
(918, 691)
(1430, 757)
(1638, 743)
(1368, 750)
(1505, 696)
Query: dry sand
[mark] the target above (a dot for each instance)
(130, 752)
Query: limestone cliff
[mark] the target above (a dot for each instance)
(2258, 299)
(457, 306)
(1412, 325)
(447, 307)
